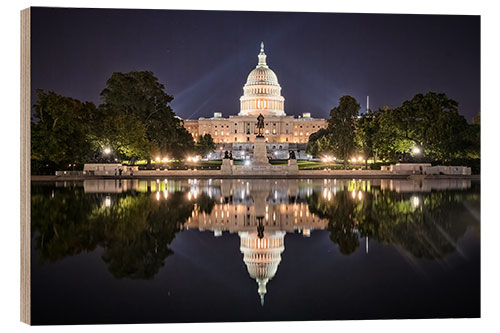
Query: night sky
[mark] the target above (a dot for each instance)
(203, 57)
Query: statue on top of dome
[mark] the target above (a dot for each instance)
(261, 47)
(260, 126)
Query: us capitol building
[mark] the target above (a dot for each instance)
(261, 95)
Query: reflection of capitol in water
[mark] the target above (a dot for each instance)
(261, 212)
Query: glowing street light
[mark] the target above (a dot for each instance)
(157, 159)
(107, 150)
(247, 163)
(416, 151)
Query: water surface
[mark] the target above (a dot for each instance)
(135, 251)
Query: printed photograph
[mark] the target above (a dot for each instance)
(228, 166)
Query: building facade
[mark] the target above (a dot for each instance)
(261, 95)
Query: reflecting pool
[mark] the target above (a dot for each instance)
(200, 250)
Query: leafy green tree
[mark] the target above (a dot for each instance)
(318, 143)
(124, 135)
(366, 132)
(448, 138)
(431, 122)
(140, 95)
(389, 140)
(205, 144)
(59, 130)
(342, 128)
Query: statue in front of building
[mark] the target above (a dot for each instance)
(292, 155)
(226, 155)
(260, 126)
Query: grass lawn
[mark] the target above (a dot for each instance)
(215, 164)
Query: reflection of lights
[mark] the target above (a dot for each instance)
(329, 196)
(327, 158)
(415, 201)
(165, 194)
(107, 201)
(353, 194)
(189, 195)
(360, 195)
(157, 196)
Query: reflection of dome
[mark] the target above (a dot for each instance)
(262, 256)
(262, 92)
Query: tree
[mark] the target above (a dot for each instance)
(389, 140)
(124, 135)
(366, 132)
(60, 130)
(342, 127)
(318, 143)
(205, 144)
(140, 95)
(432, 123)
(474, 137)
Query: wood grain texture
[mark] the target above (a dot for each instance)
(25, 166)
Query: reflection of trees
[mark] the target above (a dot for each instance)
(427, 225)
(133, 229)
(340, 214)
(205, 203)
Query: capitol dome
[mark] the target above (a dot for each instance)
(262, 257)
(262, 92)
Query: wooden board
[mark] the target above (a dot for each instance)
(25, 165)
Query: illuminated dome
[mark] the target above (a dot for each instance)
(262, 92)
(262, 257)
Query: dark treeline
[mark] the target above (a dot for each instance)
(134, 121)
(426, 128)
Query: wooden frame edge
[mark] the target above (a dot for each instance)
(25, 164)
